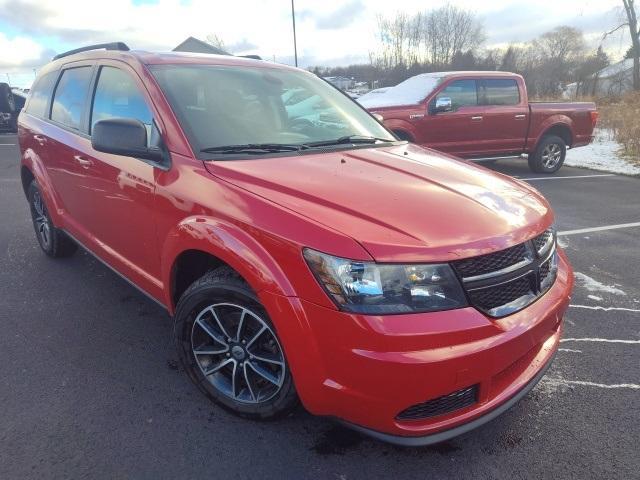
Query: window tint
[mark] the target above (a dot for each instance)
(462, 93)
(40, 93)
(501, 91)
(69, 99)
(117, 95)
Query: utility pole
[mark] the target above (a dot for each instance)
(295, 46)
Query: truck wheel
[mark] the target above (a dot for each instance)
(230, 349)
(52, 240)
(402, 135)
(7, 104)
(549, 155)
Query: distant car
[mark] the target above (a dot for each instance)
(483, 115)
(11, 102)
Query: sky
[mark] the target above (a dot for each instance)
(329, 32)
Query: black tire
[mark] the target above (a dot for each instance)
(7, 103)
(549, 155)
(228, 292)
(402, 135)
(52, 240)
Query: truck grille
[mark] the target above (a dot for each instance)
(504, 282)
(441, 405)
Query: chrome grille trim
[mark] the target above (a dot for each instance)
(507, 290)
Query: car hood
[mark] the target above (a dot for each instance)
(401, 203)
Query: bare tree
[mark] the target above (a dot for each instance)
(632, 21)
(216, 41)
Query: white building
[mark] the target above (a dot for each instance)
(613, 80)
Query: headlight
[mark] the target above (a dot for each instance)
(378, 289)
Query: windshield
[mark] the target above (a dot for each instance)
(220, 106)
(410, 92)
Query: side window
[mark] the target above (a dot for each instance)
(70, 96)
(463, 93)
(501, 91)
(117, 95)
(40, 93)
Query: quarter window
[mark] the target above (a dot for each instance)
(40, 93)
(117, 96)
(463, 93)
(70, 96)
(501, 91)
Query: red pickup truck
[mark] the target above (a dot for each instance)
(483, 115)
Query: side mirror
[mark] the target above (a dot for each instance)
(123, 136)
(443, 104)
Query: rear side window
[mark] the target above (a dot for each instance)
(70, 96)
(501, 91)
(40, 93)
(463, 93)
(117, 95)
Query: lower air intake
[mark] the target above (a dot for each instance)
(441, 405)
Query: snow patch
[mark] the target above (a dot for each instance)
(595, 297)
(602, 154)
(593, 285)
(410, 92)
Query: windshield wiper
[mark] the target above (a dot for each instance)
(349, 139)
(255, 148)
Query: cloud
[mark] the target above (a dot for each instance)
(339, 18)
(242, 46)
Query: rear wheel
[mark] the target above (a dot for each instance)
(52, 240)
(230, 349)
(549, 155)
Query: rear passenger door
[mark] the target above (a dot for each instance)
(505, 117)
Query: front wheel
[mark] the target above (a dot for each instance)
(549, 155)
(230, 349)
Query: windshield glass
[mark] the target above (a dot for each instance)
(410, 92)
(230, 105)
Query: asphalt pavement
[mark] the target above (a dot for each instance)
(91, 386)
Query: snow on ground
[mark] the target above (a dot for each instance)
(602, 154)
(594, 285)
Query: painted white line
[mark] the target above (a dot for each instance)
(633, 386)
(569, 350)
(567, 177)
(605, 340)
(599, 229)
(8, 144)
(607, 309)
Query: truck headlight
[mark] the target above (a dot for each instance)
(378, 289)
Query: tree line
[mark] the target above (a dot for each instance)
(452, 38)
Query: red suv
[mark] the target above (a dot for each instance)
(305, 253)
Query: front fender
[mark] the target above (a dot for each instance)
(231, 245)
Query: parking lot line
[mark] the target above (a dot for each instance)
(568, 177)
(602, 340)
(599, 229)
(7, 144)
(606, 309)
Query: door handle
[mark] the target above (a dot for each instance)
(476, 119)
(84, 162)
(520, 117)
(40, 139)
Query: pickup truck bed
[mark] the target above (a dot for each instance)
(483, 115)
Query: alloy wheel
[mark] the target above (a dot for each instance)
(238, 353)
(551, 155)
(41, 220)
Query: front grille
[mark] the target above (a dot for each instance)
(492, 262)
(504, 282)
(488, 299)
(441, 405)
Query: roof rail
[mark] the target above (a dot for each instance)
(107, 46)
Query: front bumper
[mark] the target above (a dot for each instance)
(365, 370)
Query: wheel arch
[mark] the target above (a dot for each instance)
(199, 243)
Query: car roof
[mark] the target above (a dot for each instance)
(142, 57)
